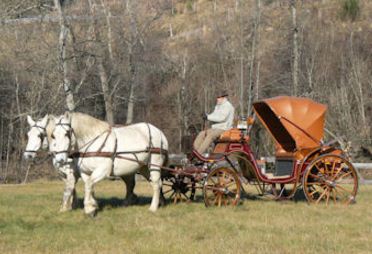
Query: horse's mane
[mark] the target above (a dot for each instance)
(86, 126)
(50, 127)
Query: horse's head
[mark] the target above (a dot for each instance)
(37, 137)
(62, 142)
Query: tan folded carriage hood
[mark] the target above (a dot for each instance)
(295, 123)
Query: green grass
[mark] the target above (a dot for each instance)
(30, 223)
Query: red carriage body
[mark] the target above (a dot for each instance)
(302, 160)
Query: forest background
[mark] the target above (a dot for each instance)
(163, 61)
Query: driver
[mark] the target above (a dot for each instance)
(222, 116)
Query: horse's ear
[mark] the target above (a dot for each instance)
(44, 121)
(67, 116)
(30, 121)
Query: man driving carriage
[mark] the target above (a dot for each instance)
(222, 116)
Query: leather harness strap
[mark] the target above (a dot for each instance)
(119, 155)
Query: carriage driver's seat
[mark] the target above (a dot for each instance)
(228, 138)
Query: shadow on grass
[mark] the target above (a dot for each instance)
(114, 202)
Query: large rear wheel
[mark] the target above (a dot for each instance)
(222, 187)
(330, 179)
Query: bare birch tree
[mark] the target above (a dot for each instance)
(295, 53)
(62, 52)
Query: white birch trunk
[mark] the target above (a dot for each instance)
(295, 54)
(107, 96)
(250, 92)
(70, 103)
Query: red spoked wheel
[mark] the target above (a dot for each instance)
(222, 187)
(330, 179)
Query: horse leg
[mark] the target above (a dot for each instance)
(155, 178)
(90, 204)
(69, 194)
(130, 182)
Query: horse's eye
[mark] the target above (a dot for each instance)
(52, 136)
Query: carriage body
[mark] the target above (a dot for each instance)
(302, 159)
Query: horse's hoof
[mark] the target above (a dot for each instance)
(153, 209)
(65, 209)
(92, 214)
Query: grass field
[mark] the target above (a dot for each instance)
(30, 223)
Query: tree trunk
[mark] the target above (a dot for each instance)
(132, 80)
(241, 88)
(253, 56)
(106, 92)
(109, 29)
(70, 103)
(95, 37)
(295, 54)
(131, 61)
(1, 144)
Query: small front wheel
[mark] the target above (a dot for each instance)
(222, 187)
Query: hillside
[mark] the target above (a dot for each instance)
(163, 62)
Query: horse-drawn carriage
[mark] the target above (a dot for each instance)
(302, 160)
(89, 148)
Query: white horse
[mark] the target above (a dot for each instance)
(104, 151)
(39, 137)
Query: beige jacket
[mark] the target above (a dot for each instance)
(223, 116)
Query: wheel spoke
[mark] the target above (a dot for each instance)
(344, 175)
(336, 175)
(333, 167)
(212, 180)
(328, 195)
(342, 188)
(316, 176)
(230, 184)
(321, 197)
(167, 191)
(314, 183)
(187, 198)
(334, 195)
(319, 169)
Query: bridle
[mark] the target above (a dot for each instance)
(69, 133)
(42, 135)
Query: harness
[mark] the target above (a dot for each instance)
(113, 155)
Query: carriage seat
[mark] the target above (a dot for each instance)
(281, 153)
(232, 135)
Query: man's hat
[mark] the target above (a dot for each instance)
(222, 93)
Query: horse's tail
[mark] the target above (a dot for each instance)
(165, 150)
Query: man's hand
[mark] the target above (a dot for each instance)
(205, 117)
